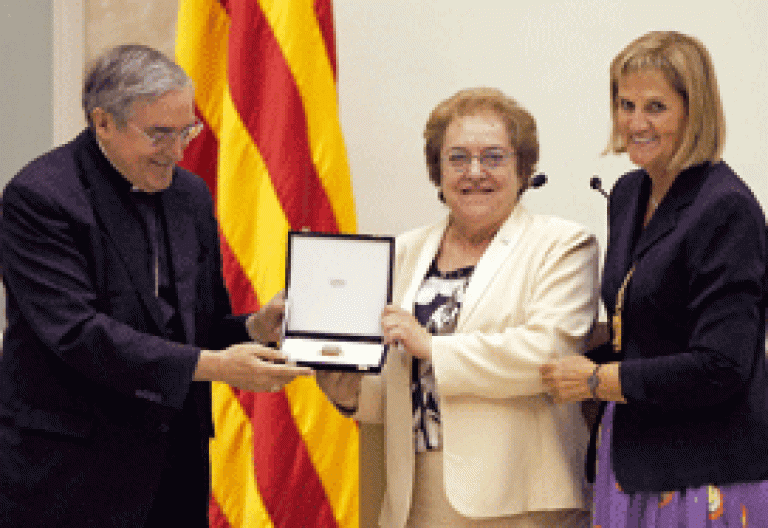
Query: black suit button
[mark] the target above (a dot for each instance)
(164, 428)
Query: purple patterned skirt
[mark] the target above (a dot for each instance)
(731, 505)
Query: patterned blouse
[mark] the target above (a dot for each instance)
(437, 306)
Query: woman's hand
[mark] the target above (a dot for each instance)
(342, 388)
(565, 378)
(401, 328)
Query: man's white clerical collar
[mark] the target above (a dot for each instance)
(101, 148)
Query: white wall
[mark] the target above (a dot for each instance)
(398, 58)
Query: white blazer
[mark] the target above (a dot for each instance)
(507, 448)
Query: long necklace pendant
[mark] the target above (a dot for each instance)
(616, 323)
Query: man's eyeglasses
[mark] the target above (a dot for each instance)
(167, 136)
(460, 159)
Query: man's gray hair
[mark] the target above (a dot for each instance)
(125, 74)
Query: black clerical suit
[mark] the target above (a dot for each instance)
(105, 324)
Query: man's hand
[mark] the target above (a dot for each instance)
(248, 366)
(264, 326)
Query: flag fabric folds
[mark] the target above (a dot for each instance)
(273, 155)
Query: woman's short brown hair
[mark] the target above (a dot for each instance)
(687, 66)
(520, 125)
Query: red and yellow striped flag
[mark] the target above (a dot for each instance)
(273, 154)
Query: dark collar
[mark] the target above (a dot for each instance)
(89, 144)
(680, 195)
(628, 240)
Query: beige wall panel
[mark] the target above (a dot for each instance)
(111, 22)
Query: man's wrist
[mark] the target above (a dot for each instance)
(207, 368)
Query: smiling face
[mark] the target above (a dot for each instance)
(650, 117)
(479, 196)
(148, 167)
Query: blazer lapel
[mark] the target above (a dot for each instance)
(498, 250)
(495, 255)
(419, 270)
(624, 217)
(681, 193)
(182, 237)
(622, 229)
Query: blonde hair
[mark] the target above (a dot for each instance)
(520, 125)
(687, 66)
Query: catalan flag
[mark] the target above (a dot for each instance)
(273, 155)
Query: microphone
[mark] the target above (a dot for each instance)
(538, 180)
(596, 184)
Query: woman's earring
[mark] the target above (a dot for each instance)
(441, 196)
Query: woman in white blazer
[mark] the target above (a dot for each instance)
(482, 299)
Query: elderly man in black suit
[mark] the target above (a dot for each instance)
(118, 317)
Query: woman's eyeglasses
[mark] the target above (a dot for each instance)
(460, 159)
